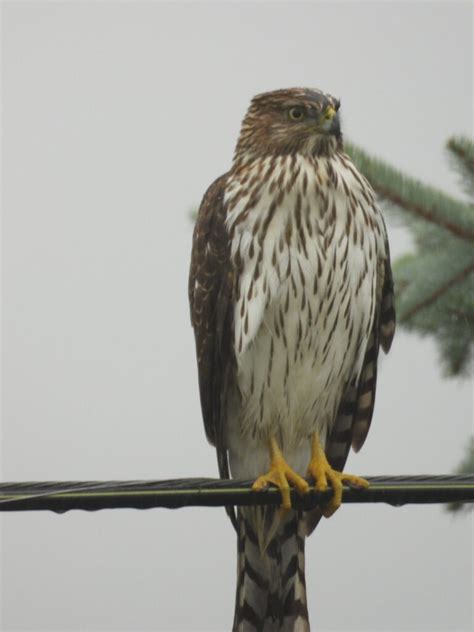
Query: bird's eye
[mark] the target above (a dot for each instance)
(296, 114)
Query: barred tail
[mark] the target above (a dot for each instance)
(271, 589)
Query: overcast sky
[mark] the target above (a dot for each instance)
(116, 117)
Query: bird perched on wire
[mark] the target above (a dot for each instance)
(291, 296)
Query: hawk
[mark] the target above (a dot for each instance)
(291, 296)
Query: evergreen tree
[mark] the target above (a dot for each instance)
(435, 283)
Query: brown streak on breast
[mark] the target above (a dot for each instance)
(319, 269)
(288, 268)
(309, 226)
(268, 218)
(310, 318)
(361, 280)
(293, 178)
(274, 258)
(371, 254)
(302, 276)
(250, 290)
(287, 300)
(302, 242)
(364, 214)
(268, 298)
(315, 283)
(280, 197)
(331, 333)
(331, 304)
(344, 273)
(256, 272)
(332, 216)
(354, 234)
(303, 301)
(305, 183)
(282, 318)
(341, 239)
(280, 180)
(293, 285)
(276, 326)
(288, 231)
(256, 226)
(346, 314)
(252, 249)
(365, 196)
(239, 264)
(270, 362)
(345, 187)
(348, 222)
(281, 243)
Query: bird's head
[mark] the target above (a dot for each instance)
(289, 121)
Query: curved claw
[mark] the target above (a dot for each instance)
(281, 475)
(324, 475)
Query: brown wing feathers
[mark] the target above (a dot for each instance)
(210, 289)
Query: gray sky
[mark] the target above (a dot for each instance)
(116, 117)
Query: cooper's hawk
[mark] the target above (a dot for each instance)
(291, 295)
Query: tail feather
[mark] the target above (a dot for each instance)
(271, 588)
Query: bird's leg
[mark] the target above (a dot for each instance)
(281, 475)
(322, 472)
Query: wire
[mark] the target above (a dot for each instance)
(204, 492)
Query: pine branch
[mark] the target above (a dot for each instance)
(435, 296)
(463, 148)
(432, 298)
(461, 152)
(420, 200)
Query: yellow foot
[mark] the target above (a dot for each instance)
(281, 475)
(323, 475)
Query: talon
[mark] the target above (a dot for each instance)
(323, 474)
(281, 475)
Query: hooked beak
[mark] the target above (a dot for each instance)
(330, 113)
(331, 121)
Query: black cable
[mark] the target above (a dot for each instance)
(204, 492)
